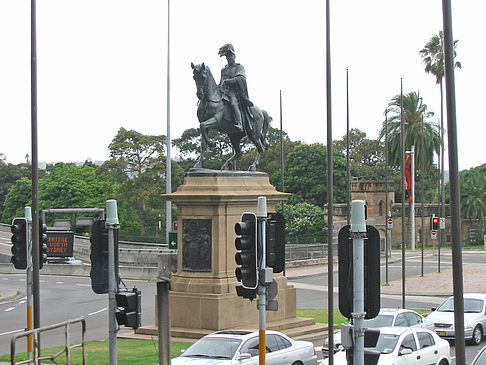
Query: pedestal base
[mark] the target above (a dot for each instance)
(203, 293)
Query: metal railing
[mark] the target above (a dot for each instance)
(36, 358)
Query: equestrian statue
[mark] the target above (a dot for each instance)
(227, 109)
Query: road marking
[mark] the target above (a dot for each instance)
(59, 282)
(4, 278)
(22, 301)
(9, 309)
(101, 310)
(83, 284)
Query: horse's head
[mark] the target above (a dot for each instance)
(204, 79)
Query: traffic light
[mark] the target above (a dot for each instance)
(371, 272)
(275, 242)
(434, 223)
(19, 240)
(129, 308)
(99, 257)
(246, 293)
(42, 243)
(246, 244)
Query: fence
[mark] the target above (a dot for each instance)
(67, 348)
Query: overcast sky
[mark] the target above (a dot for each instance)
(102, 65)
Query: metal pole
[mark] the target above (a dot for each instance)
(282, 170)
(412, 205)
(422, 237)
(358, 233)
(168, 182)
(402, 157)
(30, 342)
(387, 241)
(112, 224)
(163, 320)
(457, 276)
(348, 174)
(262, 289)
(440, 167)
(330, 191)
(35, 176)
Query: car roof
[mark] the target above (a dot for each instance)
(401, 330)
(394, 310)
(239, 333)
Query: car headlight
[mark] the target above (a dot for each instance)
(467, 327)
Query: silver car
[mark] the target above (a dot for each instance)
(474, 318)
(388, 317)
(242, 346)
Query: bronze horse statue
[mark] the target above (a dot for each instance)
(213, 113)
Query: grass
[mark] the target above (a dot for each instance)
(133, 352)
(143, 352)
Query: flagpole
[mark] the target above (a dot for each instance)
(168, 186)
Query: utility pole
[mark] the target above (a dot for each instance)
(262, 290)
(28, 217)
(358, 234)
(112, 224)
(412, 203)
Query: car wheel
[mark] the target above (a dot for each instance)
(477, 335)
(443, 362)
(296, 363)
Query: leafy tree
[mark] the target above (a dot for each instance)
(189, 146)
(366, 156)
(306, 175)
(138, 165)
(303, 220)
(71, 186)
(9, 174)
(19, 196)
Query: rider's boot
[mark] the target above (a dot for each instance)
(237, 114)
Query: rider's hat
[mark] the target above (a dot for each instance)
(227, 48)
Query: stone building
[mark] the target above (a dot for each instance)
(375, 194)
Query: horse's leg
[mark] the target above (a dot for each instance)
(205, 126)
(236, 144)
(255, 136)
(200, 159)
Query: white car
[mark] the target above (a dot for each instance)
(480, 358)
(388, 317)
(474, 318)
(242, 346)
(401, 345)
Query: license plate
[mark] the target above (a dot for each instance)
(440, 333)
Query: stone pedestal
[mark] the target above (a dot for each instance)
(203, 294)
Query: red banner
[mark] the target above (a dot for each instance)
(408, 178)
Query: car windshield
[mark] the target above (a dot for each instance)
(381, 320)
(385, 344)
(471, 305)
(213, 347)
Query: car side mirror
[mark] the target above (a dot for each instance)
(243, 356)
(433, 309)
(340, 348)
(183, 350)
(406, 351)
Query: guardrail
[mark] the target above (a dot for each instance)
(67, 349)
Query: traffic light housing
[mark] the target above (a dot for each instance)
(246, 257)
(129, 308)
(42, 243)
(371, 272)
(434, 223)
(275, 242)
(19, 240)
(99, 257)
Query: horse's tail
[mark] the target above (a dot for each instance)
(266, 124)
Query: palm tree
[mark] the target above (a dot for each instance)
(415, 113)
(473, 197)
(433, 58)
